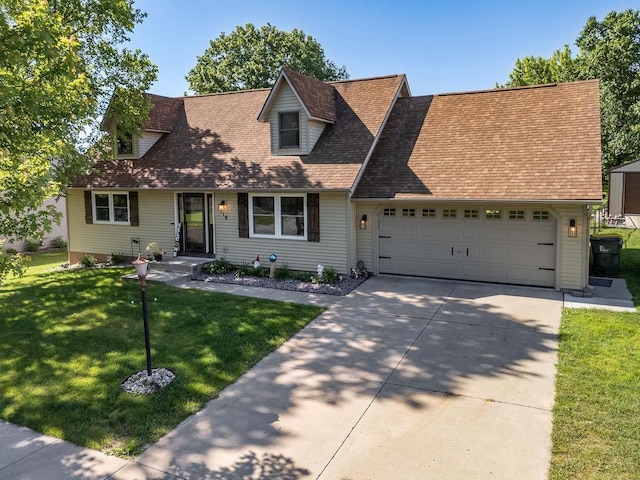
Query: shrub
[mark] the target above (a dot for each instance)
(303, 276)
(10, 251)
(330, 276)
(262, 272)
(219, 266)
(32, 245)
(58, 242)
(283, 272)
(117, 258)
(244, 270)
(88, 261)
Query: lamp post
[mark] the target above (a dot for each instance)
(141, 269)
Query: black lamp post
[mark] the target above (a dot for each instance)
(141, 268)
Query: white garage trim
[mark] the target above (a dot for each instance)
(492, 243)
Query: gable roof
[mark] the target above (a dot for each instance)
(633, 166)
(533, 143)
(316, 97)
(216, 142)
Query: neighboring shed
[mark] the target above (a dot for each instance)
(624, 192)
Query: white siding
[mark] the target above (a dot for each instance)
(286, 101)
(331, 251)
(147, 141)
(315, 130)
(156, 213)
(572, 270)
(365, 239)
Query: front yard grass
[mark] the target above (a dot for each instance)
(596, 427)
(70, 338)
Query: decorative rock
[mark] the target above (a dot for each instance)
(141, 384)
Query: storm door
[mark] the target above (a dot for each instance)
(192, 218)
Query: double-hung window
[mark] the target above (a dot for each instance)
(278, 215)
(110, 207)
(289, 129)
(124, 143)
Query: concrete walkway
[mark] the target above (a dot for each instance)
(401, 379)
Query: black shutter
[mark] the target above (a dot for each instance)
(243, 215)
(88, 208)
(134, 221)
(313, 214)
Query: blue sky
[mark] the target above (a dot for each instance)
(442, 46)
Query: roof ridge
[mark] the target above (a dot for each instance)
(508, 89)
(365, 79)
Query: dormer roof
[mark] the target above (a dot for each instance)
(316, 97)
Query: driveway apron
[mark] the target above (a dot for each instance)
(402, 379)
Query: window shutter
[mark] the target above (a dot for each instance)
(313, 214)
(134, 221)
(243, 215)
(88, 207)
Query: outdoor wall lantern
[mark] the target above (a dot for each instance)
(363, 222)
(223, 208)
(573, 230)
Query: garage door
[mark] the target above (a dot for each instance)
(486, 244)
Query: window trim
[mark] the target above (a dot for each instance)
(277, 213)
(281, 130)
(112, 217)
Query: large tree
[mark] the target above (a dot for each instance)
(61, 63)
(251, 57)
(609, 50)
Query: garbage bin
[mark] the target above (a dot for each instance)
(606, 254)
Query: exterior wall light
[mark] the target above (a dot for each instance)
(363, 222)
(573, 230)
(223, 208)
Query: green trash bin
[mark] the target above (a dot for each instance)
(606, 254)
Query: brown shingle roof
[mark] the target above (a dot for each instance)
(318, 97)
(216, 142)
(523, 144)
(164, 111)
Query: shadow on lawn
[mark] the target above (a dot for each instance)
(71, 338)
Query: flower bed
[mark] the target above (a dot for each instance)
(342, 287)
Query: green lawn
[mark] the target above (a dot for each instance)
(70, 338)
(596, 418)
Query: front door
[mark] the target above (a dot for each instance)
(193, 218)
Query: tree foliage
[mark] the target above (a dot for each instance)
(61, 62)
(251, 57)
(609, 50)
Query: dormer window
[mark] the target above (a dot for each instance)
(125, 143)
(289, 129)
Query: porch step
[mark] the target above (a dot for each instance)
(160, 276)
(172, 270)
(190, 265)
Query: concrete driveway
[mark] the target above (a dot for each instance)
(402, 379)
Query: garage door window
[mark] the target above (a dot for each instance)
(540, 215)
(389, 212)
(492, 214)
(516, 214)
(449, 213)
(429, 212)
(408, 212)
(471, 213)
